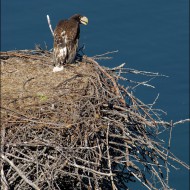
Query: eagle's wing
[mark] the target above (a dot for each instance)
(72, 32)
(66, 37)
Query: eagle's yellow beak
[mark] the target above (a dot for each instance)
(84, 20)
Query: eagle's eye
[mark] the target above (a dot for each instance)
(84, 20)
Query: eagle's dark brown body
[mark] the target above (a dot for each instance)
(66, 37)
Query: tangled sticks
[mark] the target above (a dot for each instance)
(79, 128)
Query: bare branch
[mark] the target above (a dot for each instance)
(49, 24)
(20, 173)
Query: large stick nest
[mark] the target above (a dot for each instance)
(78, 128)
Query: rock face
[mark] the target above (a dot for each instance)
(75, 129)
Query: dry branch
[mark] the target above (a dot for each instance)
(49, 24)
(19, 172)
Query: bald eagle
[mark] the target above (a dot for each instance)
(66, 37)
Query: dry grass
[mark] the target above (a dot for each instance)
(78, 128)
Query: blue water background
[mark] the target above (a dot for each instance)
(151, 35)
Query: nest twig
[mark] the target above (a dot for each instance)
(78, 129)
